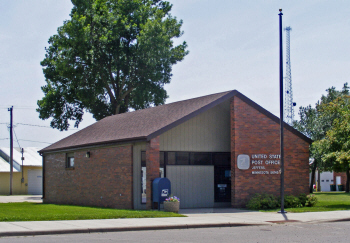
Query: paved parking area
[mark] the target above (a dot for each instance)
(21, 198)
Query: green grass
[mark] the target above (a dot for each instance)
(327, 201)
(26, 211)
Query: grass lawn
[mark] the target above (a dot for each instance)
(26, 211)
(327, 201)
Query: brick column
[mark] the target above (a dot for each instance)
(152, 167)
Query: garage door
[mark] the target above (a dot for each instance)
(35, 182)
(326, 181)
(194, 185)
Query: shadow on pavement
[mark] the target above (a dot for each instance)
(212, 210)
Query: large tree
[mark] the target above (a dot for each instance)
(111, 56)
(335, 146)
(314, 123)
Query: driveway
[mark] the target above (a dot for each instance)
(21, 198)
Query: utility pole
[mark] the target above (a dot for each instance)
(11, 147)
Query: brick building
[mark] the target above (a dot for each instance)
(217, 150)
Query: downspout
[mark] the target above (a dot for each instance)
(43, 176)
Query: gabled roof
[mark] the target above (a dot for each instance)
(143, 125)
(30, 154)
(5, 166)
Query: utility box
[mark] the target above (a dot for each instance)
(161, 188)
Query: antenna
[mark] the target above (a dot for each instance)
(288, 100)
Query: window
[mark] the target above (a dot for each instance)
(200, 159)
(222, 159)
(144, 173)
(182, 158)
(143, 177)
(70, 160)
(171, 158)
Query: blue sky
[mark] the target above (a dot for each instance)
(233, 45)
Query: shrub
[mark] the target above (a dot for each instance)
(303, 199)
(292, 202)
(262, 201)
(311, 200)
(266, 201)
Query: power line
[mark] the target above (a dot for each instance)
(33, 141)
(34, 125)
(24, 140)
(19, 107)
(16, 138)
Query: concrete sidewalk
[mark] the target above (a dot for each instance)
(196, 218)
(21, 198)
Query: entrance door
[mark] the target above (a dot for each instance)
(222, 186)
(193, 184)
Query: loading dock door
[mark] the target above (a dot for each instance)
(35, 182)
(326, 181)
(194, 185)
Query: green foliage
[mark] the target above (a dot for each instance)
(335, 146)
(303, 199)
(267, 201)
(111, 56)
(43, 212)
(315, 122)
(292, 202)
(262, 201)
(311, 201)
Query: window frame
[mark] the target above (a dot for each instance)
(69, 164)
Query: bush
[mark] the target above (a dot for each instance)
(292, 202)
(303, 199)
(266, 201)
(311, 200)
(262, 201)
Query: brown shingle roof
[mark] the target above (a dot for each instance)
(148, 123)
(139, 125)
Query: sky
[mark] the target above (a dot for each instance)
(233, 45)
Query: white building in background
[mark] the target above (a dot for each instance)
(27, 173)
(328, 178)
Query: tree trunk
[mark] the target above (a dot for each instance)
(347, 180)
(312, 181)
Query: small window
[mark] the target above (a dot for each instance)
(171, 158)
(200, 159)
(161, 159)
(182, 158)
(222, 159)
(70, 160)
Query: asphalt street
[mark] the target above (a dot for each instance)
(289, 232)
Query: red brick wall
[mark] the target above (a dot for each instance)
(343, 178)
(152, 167)
(253, 133)
(104, 179)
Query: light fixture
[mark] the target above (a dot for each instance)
(87, 155)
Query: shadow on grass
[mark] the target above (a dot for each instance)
(332, 194)
(338, 206)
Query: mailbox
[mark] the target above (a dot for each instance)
(161, 188)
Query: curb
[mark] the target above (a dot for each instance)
(121, 229)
